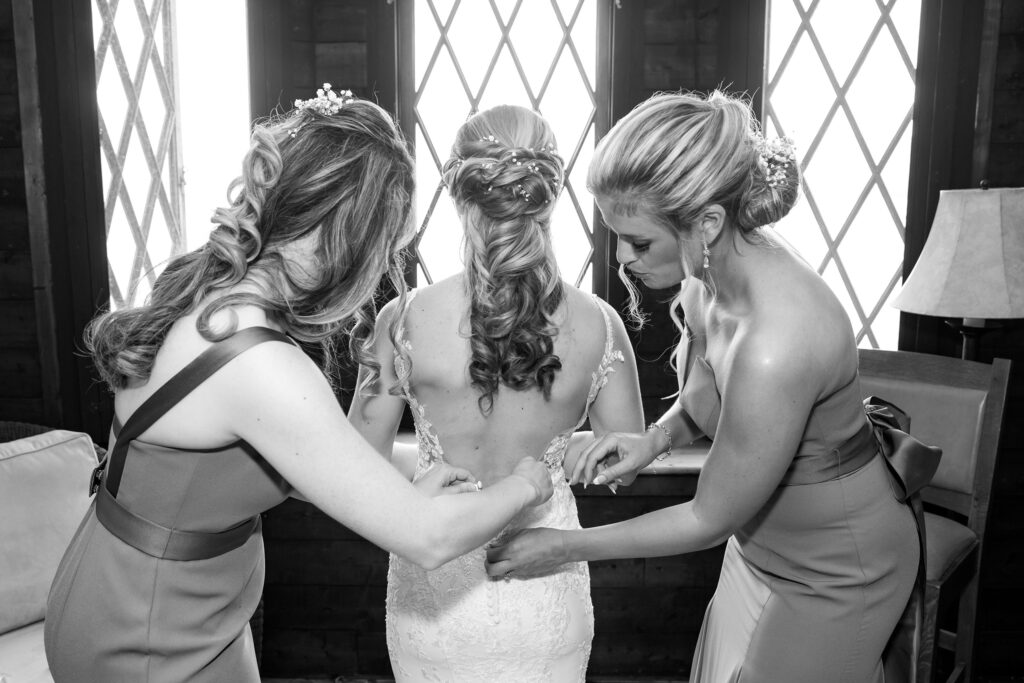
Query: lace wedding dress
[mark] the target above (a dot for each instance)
(456, 624)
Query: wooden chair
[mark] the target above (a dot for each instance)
(958, 406)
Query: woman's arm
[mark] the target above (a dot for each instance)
(768, 394)
(276, 399)
(620, 454)
(375, 413)
(618, 406)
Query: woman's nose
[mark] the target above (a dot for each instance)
(624, 253)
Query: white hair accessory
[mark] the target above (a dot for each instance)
(326, 102)
(776, 155)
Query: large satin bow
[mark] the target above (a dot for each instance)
(912, 463)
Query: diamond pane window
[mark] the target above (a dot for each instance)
(474, 54)
(840, 82)
(139, 142)
(151, 98)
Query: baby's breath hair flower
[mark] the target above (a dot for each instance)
(326, 102)
(776, 155)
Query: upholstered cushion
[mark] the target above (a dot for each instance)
(22, 659)
(943, 416)
(44, 493)
(948, 543)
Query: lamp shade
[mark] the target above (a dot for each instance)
(972, 265)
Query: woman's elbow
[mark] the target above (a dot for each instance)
(713, 532)
(431, 550)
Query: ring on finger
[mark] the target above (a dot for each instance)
(508, 576)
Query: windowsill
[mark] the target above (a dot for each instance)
(684, 460)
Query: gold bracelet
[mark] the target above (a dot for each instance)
(668, 435)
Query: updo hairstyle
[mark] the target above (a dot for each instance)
(504, 176)
(675, 154)
(319, 214)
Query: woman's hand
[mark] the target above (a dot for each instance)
(615, 458)
(536, 473)
(443, 479)
(530, 552)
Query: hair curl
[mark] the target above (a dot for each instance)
(505, 177)
(341, 182)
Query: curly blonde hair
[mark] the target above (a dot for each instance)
(505, 176)
(343, 181)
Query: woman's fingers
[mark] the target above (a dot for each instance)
(577, 470)
(498, 570)
(613, 446)
(498, 561)
(613, 472)
(461, 487)
(460, 474)
(592, 454)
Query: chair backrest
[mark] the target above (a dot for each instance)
(954, 404)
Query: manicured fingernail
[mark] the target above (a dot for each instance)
(600, 479)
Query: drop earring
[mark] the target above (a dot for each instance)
(707, 253)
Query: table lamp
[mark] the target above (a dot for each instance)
(972, 266)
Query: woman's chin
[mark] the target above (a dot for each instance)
(651, 282)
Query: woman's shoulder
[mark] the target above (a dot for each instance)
(803, 325)
(590, 321)
(443, 295)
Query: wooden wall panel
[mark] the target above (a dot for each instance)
(1000, 624)
(20, 379)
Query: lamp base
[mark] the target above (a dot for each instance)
(971, 330)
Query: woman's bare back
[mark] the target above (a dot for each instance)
(436, 330)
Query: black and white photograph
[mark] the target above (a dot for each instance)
(511, 341)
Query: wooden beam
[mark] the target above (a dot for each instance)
(38, 220)
(69, 238)
(986, 87)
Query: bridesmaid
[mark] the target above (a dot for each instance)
(820, 558)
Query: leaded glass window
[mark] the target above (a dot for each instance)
(473, 54)
(139, 141)
(839, 80)
(167, 116)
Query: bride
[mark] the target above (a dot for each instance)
(501, 360)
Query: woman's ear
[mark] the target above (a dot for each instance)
(712, 222)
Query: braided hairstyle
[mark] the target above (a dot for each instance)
(340, 183)
(504, 176)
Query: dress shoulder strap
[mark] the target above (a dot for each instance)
(178, 387)
(609, 342)
(610, 356)
(403, 346)
(400, 332)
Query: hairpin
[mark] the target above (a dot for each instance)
(326, 103)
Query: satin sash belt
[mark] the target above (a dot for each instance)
(853, 454)
(169, 544)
